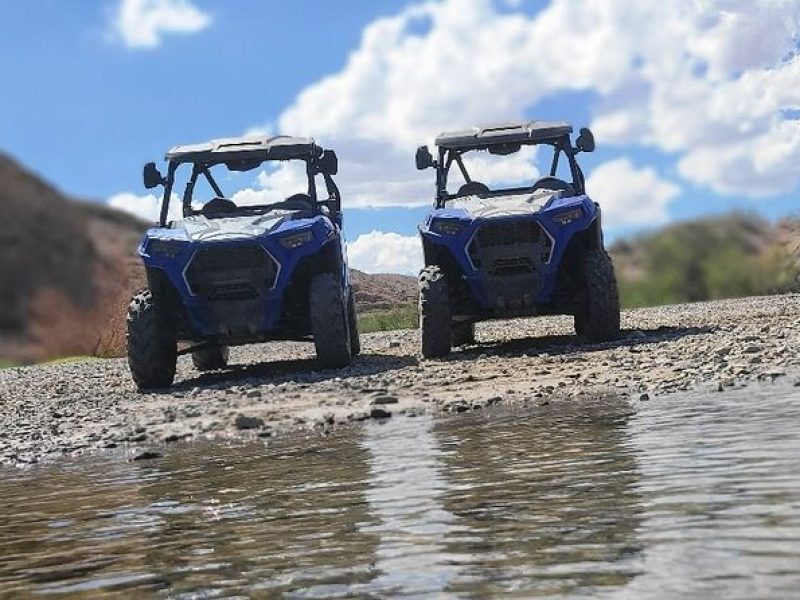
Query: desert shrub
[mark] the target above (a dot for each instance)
(400, 317)
(727, 257)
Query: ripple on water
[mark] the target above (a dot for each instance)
(686, 496)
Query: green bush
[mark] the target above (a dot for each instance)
(727, 257)
(401, 317)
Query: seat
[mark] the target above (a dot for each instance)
(217, 206)
(298, 202)
(473, 188)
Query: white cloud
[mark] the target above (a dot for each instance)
(399, 89)
(260, 130)
(276, 184)
(630, 196)
(513, 170)
(381, 252)
(707, 81)
(147, 207)
(714, 84)
(140, 24)
(362, 183)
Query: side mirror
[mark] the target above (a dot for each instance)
(424, 158)
(585, 141)
(328, 162)
(152, 176)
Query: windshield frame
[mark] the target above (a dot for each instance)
(449, 156)
(333, 202)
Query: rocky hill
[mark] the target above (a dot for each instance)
(68, 268)
(383, 291)
(64, 265)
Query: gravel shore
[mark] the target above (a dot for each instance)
(274, 389)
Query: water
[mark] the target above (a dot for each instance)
(692, 497)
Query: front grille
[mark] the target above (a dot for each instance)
(233, 291)
(510, 248)
(231, 272)
(513, 265)
(510, 255)
(509, 234)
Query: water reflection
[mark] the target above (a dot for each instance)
(406, 489)
(690, 497)
(278, 522)
(550, 502)
(721, 483)
(236, 521)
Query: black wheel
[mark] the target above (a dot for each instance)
(329, 322)
(463, 334)
(599, 319)
(211, 359)
(434, 313)
(352, 321)
(152, 346)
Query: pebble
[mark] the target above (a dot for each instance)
(384, 400)
(146, 455)
(380, 413)
(715, 345)
(175, 437)
(247, 422)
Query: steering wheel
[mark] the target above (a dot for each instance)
(473, 188)
(551, 183)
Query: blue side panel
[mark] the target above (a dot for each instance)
(560, 236)
(201, 315)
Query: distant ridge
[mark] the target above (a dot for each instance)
(383, 291)
(63, 265)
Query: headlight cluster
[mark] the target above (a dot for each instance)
(295, 240)
(447, 226)
(166, 248)
(568, 216)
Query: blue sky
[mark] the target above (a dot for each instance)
(695, 108)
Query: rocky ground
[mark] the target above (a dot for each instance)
(275, 389)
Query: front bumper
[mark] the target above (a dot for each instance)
(510, 264)
(235, 288)
(509, 259)
(230, 285)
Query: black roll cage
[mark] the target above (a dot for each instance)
(448, 156)
(333, 202)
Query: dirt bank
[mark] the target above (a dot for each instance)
(274, 389)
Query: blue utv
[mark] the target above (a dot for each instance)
(502, 252)
(227, 274)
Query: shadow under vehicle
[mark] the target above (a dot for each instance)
(509, 252)
(227, 274)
